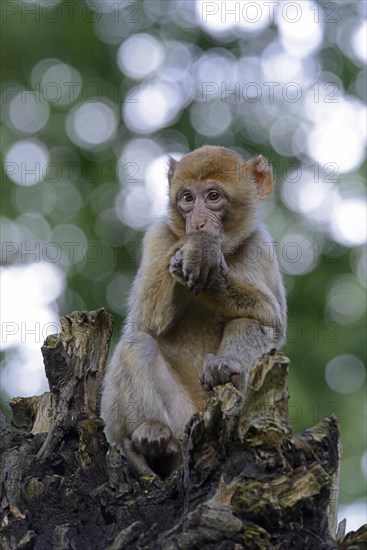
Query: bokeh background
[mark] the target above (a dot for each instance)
(95, 96)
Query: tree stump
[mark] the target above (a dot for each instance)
(247, 480)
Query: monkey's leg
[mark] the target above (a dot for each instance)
(144, 406)
(243, 342)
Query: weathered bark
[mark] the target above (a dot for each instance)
(247, 480)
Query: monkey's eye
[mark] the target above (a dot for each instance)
(188, 197)
(213, 195)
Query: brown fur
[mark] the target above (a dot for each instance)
(200, 307)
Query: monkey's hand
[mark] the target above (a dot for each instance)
(175, 267)
(198, 261)
(219, 370)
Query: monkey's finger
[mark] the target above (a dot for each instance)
(197, 288)
(236, 380)
(176, 260)
(172, 448)
(205, 385)
(178, 255)
(229, 374)
(193, 279)
(205, 275)
(223, 267)
(175, 269)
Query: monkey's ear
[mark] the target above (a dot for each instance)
(263, 174)
(172, 163)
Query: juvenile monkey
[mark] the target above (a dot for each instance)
(207, 301)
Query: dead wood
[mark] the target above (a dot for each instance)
(247, 479)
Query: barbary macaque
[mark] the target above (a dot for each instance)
(207, 302)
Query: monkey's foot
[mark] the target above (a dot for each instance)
(154, 440)
(155, 444)
(219, 370)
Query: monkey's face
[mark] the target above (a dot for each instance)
(202, 207)
(214, 190)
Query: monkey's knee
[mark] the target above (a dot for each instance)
(156, 443)
(137, 345)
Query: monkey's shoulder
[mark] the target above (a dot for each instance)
(261, 236)
(159, 231)
(254, 261)
(252, 248)
(157, 241)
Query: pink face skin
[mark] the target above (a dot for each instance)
(202, 207)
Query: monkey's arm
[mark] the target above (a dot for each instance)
(156, 298)
(233, 299)
(256, 313)
(243, 288)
